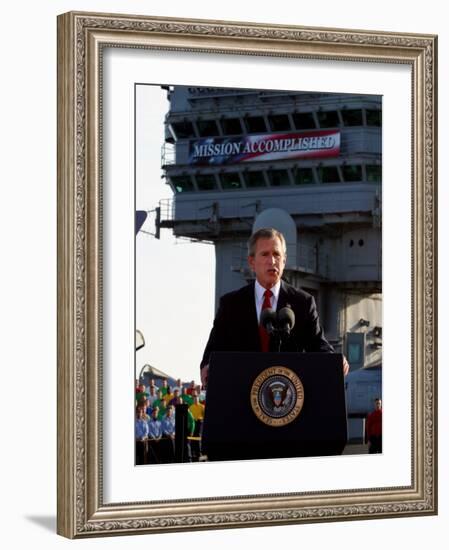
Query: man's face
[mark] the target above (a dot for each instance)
(378, 404)
(268, 261)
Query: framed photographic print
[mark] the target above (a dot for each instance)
(229, 161)
(234, 127)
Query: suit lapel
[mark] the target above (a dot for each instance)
(284, 300)
(249, 301)
(283, 297)
(250, 307)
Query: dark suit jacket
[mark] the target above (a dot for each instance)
(236, 328)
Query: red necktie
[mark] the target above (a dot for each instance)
(264, 336)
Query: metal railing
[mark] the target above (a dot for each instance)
(167, 212)
(168, 154)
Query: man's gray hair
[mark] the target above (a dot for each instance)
(265, 233)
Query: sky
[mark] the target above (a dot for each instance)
(175, 279)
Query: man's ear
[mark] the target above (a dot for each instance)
(251, 262)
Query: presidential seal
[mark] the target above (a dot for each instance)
(277, 396)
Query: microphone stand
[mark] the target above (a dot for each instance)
(279, 336)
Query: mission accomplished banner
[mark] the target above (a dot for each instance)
(258, 147)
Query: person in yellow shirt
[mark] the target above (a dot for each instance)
(169, 395)
(197, 411)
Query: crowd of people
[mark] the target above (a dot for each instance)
(155, 426)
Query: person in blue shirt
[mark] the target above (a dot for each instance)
(168, 423)
(168, 436)
(154, 425)
(154, 436)
(141, 435)
(141, 424)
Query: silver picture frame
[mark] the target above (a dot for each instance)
(82, 38)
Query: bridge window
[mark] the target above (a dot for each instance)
(352, 173)
(303, 176)
(183, 130)
(328, 174)
(374, 117)
(278, 178)
(328, 119)
(206, 182)
(207, 128)
(374, 173)
(230, 180)
(181, 184)
(231, 126)
(304, 121)
(255, 124)
(254, 179)
(352, 117)
(279, 123)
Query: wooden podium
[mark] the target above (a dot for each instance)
(274, 405)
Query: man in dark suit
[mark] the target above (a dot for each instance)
(236, 325)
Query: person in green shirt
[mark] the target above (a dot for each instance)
(141, 392)
(160, 404)
(186, 398)
(164, 388)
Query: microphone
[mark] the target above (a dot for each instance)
(268, 319)
(286, 319)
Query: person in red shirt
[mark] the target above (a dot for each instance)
(191, 388)
(374, 428)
